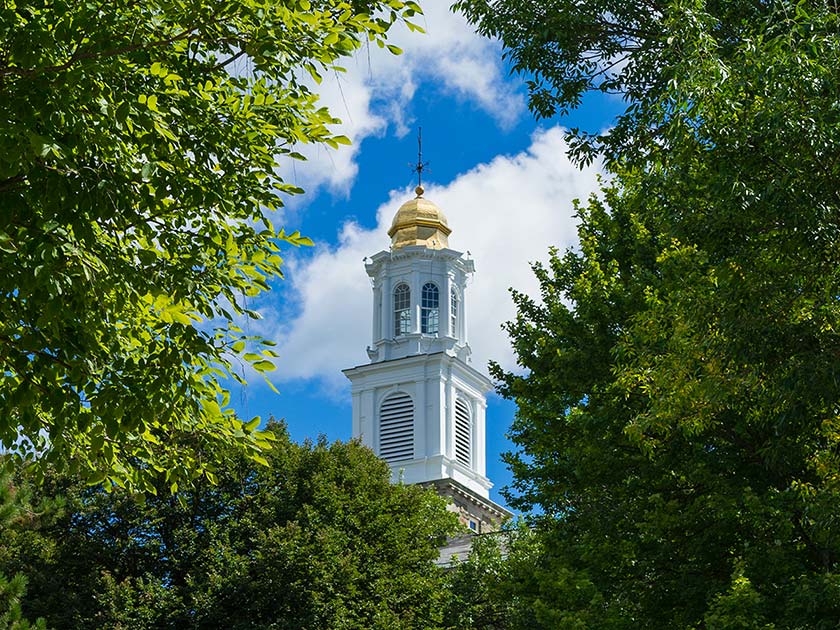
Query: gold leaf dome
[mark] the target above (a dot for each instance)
(419, 222)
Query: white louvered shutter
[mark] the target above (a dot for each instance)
(462, 432)
(396, 428)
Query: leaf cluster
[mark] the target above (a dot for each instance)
(319, 538)
(142, 150)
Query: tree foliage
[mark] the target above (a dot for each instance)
(652, 53)
(140, 162)
(678, 418)
(484, 590)
(14, 507)
(318, 539)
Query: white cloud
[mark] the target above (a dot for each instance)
(452, 54)
(349, 100)
(506, 213)
(376, 91)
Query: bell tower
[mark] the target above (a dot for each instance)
(418, 403)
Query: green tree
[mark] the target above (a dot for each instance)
(318, 539)
(474, 586)
(640, 50)
(140, 162)
(13, 509)
(678, 418)
(485, 589)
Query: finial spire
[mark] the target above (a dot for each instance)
(420, 166)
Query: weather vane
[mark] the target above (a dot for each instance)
(420, 166)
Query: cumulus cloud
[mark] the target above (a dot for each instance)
(376, 92)
(506, 213)
(336, 169)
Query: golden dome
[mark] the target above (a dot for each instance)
(419, 222)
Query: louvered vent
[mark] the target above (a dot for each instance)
(396, 428)
(462, 432)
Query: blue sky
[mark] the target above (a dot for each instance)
(501, 178)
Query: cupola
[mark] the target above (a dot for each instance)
(419, 404)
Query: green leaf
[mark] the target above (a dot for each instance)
(6, 243)
(264, 366)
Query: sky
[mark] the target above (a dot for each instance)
(501, 178)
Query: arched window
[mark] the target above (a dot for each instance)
(430, 310)
(453, 312)
(396, 428)
(463, 432)
(402, 310)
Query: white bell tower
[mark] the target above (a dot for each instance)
(419, 404)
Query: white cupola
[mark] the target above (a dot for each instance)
(418, 403)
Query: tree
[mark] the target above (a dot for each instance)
(485, 588)
(13, 506)
(678, 418)
(640, 50)
(474, 586)
(142, 150)
(318, 539)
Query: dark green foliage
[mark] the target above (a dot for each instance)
(475, 587)
(318, 539)
(646, 51)
(679, 416)
(14, 510)
(11, 617)
(485, 589)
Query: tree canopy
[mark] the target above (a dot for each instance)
(13, 509)
(318, 539)
(140, 165)
(678, 414)
(654, 54)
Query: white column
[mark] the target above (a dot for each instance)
(450, 416)
(463, 314)
(436, 422)
(420, 417)
(415, 300)
(445, 311)
(367, 420)
(376, 320)
(387, 306)
(357, 415)
(479, 411)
